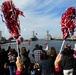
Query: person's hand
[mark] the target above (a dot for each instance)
(58, 60)
(24, 66)
(22, 45)
(9, 44)
(5, 66)
(19, 64)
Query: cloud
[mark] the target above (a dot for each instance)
(40, 16)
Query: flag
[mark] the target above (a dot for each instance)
(36, 34)
(45, 43)
(46, 46)
(28, 42)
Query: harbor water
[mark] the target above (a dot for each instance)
(52, 43)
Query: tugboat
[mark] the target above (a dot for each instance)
(34, 38)
(48, 36)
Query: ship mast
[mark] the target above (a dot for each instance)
(48, 36)
(33, 34)
(47, 32)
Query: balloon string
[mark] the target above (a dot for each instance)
(17, 47)
(62, 46)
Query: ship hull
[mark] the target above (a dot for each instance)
(48, 38)
(34, 39)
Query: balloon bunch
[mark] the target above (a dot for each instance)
(68, 22)
(20, 40)
(11, 16)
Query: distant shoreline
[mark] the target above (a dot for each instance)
(68, 39)
(11, 41)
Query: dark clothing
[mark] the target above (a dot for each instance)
(74, 66)
(2, 62)
(67, 60)
(25, 53)
(25, 56)
(26, 62)
(59, 73)
(6, 71)
(12, 60)
(46, 66)
(53, 59)
(1, 69)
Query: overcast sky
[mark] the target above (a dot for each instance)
(40, 16)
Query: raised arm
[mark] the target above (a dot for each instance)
(19, 66)
(57, 63)
(0, 7)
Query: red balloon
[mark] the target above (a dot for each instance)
(11, 15)
(21, 39)
(28, 42)
(11, 38)
(18, 41)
